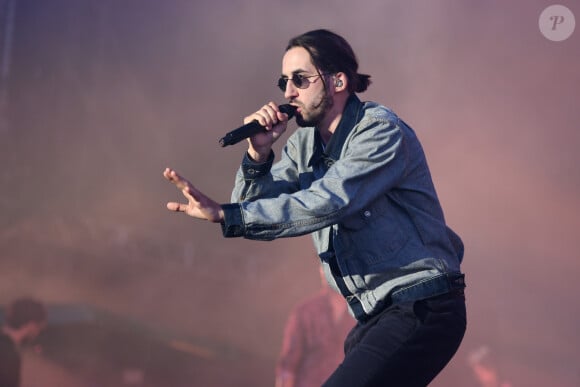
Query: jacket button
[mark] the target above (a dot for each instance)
(367, 214)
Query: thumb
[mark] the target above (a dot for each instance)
(175, 207)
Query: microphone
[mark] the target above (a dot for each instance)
(252, 128)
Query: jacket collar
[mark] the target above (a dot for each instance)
(351, 115)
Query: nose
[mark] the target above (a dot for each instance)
(291, 90)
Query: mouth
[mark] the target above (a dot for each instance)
(297, 106)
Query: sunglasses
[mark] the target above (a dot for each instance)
(299, 80)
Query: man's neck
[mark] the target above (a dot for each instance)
(332, 119)
(327, 130)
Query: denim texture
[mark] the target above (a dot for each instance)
(369, 202)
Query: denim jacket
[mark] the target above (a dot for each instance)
(367, 199)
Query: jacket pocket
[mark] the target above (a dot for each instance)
(374, 234)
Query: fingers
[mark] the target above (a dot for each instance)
(171, 175)
(185, 188)
(175, 178)
(175, 207)
(268, 116)
(183, 184)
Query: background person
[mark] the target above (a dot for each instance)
(24, 319)
(312, 345)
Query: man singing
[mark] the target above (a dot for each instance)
(354, 175)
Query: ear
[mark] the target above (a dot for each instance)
(340, 82)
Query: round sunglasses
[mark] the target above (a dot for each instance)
(299, 80)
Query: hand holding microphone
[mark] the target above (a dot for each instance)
(254, 127)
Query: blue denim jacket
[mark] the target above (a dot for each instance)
(369, 202)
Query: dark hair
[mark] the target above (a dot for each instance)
(331, 53)
(22, 311)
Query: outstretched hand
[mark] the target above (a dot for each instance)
(198, 205)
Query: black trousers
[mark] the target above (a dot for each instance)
(405, 345)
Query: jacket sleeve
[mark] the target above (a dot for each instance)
(266, 180)
(375, 160)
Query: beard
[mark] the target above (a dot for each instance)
(315, 113)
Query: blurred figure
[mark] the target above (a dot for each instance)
(485, 371)
(312, 346)
(24, 320)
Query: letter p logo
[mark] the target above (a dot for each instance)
(557, 20)
(557, 23)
